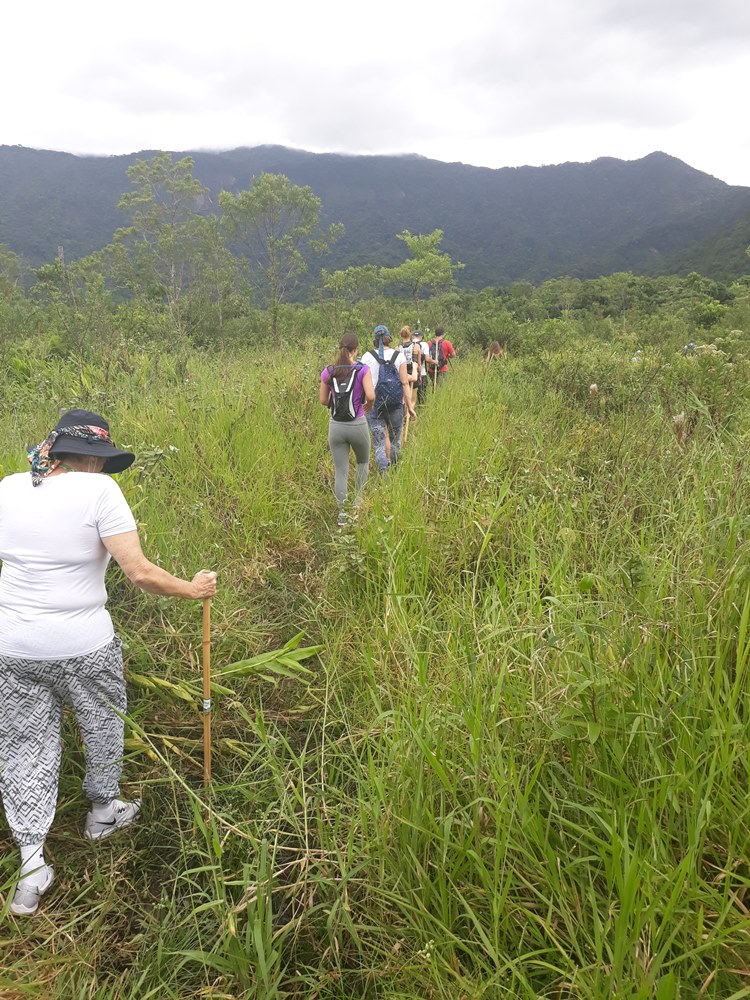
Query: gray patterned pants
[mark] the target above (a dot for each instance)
(392, 422)
(32, 696)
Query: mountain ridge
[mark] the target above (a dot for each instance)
(648, 215)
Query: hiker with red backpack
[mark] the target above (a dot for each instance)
(439, 353)
(346, 389)
(392, 395)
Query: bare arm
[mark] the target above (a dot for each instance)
(325, 392)
(369, 391)
(125, 549)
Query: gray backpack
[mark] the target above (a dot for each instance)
(341, 399)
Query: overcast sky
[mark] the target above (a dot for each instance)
(489, 82)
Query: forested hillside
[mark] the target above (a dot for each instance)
(656, 215)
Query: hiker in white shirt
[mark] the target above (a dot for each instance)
(59, 526)
(388, 369)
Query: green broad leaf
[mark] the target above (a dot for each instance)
(178, 690)
(666, 988)
(140, 681)
(288, 656)
(220, 689)
(294, 665)
(305, 653)
(295, 641)
(594, 731)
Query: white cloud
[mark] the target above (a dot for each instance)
(493, 83)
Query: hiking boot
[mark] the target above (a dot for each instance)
(28, 893)
(343, 519)
(122, 814)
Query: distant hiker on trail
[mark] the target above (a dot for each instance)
(388, 369)
(440, 351)
(346, 389)
(495, 352)
(420, 356)
(58, 528)
(410, 352)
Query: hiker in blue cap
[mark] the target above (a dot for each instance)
(392, 395)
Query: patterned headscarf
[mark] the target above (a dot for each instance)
(39, 456)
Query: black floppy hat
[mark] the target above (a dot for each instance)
(116, 460)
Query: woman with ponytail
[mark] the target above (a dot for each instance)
(346, 389)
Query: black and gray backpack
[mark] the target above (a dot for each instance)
(341, 399)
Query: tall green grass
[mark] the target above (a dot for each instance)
(520, 766)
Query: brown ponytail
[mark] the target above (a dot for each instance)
(348, 343)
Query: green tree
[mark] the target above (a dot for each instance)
(342, 290)
(168, 250)
(213, 293)
(277, 225)
(76, 293)
(428, 269)
(558, 296)
(11, 272)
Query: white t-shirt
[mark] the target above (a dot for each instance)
(374, 366)
(52, 592)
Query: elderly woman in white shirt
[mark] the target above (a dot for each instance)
(59, 527)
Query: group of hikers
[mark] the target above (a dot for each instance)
(59, 528)
(376, 396)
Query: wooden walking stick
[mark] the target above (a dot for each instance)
(206, 691)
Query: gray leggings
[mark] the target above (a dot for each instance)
(32, 694)
(341, 437)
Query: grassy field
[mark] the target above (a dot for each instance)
(518, 766)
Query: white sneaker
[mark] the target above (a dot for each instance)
(121, 815)
(30, 890)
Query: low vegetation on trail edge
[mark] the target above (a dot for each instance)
(518, 766)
